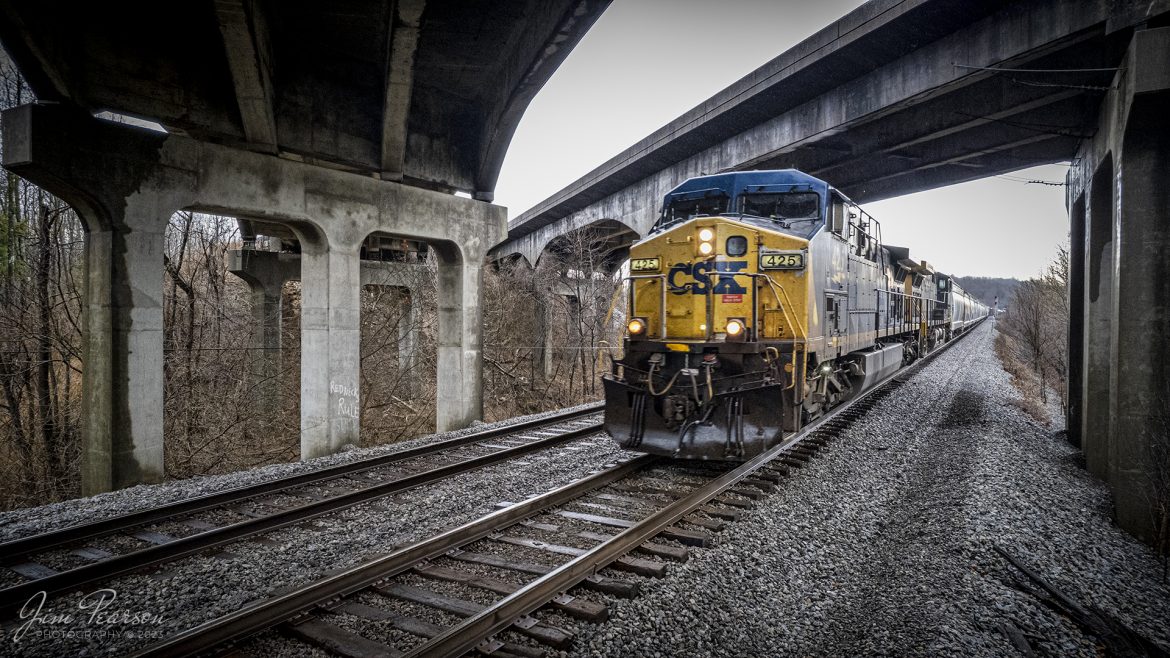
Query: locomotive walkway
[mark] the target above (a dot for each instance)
(884, 544)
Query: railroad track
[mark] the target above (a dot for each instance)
(487, 578)
(152, 537)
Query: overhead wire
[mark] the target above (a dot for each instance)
(1000, 68)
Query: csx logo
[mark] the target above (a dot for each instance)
(701, 274)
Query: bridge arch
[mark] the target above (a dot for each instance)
(616, 234)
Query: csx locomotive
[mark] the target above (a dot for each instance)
(759, 301)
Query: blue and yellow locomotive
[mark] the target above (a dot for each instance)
(760, 300)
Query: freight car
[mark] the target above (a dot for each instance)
(759, 301)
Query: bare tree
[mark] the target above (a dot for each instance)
(208, 366)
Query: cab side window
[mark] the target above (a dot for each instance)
(837, 219)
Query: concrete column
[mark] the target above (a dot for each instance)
(266, 273)
(406, 277)
(330, 348)
(1098, 310)
(126, 181)
(545, 317)
(109, 175)
(1140, 394)
(122, 386)
(1122, 173)
(408, 334)
(459, 397)
(1076, 327)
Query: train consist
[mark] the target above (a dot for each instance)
(759, 301)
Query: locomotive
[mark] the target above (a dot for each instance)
(759, 301)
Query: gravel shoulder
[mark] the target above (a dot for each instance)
(186, 593)
(882, 546)
(15, 524)
(885, 546)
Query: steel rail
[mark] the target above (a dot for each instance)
(252, 619)
(233, 628)
(470, 632)
(12, 598)
(15, 548)
(466, 635)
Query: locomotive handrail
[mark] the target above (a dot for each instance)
(662, 306)
(785, 304)
(710, 311)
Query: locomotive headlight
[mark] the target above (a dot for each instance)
(706, 248)
(736, 329)
(706, 235)
(636, 326)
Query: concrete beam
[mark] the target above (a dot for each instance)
(1076, 328)
(527, 65)
(533, 245)
(1098, 304)
(400, 51)
(126, 182)
(999, 161)
(330, 348)
(49, 78)
(936, 123)
(1011, 36)
(245, 40)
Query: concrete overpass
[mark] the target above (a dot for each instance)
(323, 123)
(896, 97)
(901, 96)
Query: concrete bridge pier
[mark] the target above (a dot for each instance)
(126, 182)
(122, 387)
(407, 277)
(122, 391)
(265, 272)
(1122, 358)
(330, 347)
(459, 390)
(547, 317)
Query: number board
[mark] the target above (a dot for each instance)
(645, 264)
(782, 260)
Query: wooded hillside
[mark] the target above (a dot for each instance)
(987, 288)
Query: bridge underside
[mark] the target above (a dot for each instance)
(896, 98)
(318, 123)
(902, 96)
(1119, 290)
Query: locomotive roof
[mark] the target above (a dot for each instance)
(732, 183)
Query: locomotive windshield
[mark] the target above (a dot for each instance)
(791, 210)
(684, 207)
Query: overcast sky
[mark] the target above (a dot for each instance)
(645, 62)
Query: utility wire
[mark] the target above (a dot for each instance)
(1029, 83)
(1041, 128)
(1000, 68)
(1027, 181)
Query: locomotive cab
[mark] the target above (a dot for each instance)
(759, 301)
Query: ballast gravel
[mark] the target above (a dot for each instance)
(885, 544)
(183, 594)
